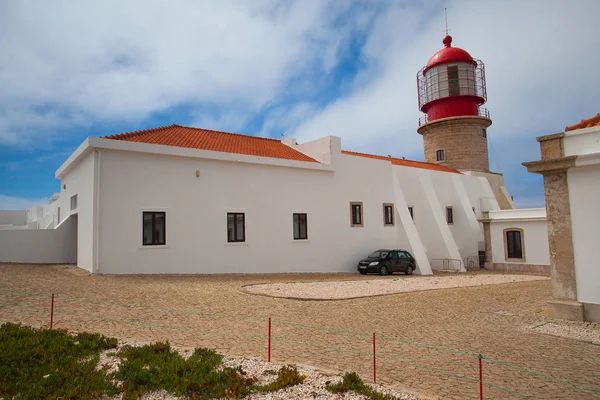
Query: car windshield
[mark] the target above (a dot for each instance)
(378, 254)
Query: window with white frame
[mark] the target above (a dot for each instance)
(300, 226)
(154, 228)
(236, 227)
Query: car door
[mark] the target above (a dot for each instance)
(393, 261)
(403, 261)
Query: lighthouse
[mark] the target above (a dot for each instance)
(452, 90)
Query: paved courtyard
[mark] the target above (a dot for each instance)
(427, 341)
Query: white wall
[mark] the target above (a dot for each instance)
(535, 235)
(79, 181)
(584, 195)
(13, 217)
(196, 214)
(196, 207)
(46, 246)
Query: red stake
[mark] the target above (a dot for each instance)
(480, 377)
(52, 312)
(374, 361)
(269, 346)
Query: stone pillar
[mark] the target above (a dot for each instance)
(487, 237)
(553, 166)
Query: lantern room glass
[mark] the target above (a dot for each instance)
(453, 79)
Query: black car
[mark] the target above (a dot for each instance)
(385, 262)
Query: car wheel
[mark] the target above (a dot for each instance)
(383, 270)
(409, 270)
(362, 272)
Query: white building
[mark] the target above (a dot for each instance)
(223, 202)
(188, 200)
(570, 164)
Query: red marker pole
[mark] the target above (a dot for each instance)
(269, 345)
(52, 312)
(374, 361)
(480, 357)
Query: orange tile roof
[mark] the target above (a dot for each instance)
(205, 139)
(404, 163)
(586, 123)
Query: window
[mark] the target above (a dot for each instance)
(440, 155)
(300, 227)
(59, 215)
(484, 132)
(388, 214)
(474, 212)
(73, 202)
(449, 215)
(402, 254)
(154, 228)
(356, 214)
(411, 210)
(453, 83)
(236, 227)
(514, 244)
(393, 255)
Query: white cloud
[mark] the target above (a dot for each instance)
(71, 63)
(540, 64)
(18, 203)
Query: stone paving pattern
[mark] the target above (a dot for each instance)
(490, 320)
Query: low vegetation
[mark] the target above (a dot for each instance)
(51, 364)
(158, 366)
(286, 376)
(352, 382)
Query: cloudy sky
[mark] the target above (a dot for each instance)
(305, 69)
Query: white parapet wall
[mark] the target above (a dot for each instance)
(40, 246)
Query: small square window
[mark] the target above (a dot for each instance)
(73, 202)
(484, 132)
(411, 211)
(300, 227)
(449, 215)
(356, 214)
(388, 214)
(154, 228)
(236, 227)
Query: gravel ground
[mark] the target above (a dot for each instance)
(356, 289)
(590, 333)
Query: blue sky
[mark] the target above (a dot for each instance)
(305, 69)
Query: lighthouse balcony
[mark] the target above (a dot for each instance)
(481, 112)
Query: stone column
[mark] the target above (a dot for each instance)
(487, 237)
(553, 166)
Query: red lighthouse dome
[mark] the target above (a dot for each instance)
(452, 84)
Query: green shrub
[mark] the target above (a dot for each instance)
(286, 376)
(50, 364)
(352, 382)
(157, 366)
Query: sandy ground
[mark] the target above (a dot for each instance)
(355, 289)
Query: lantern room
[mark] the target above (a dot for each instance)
(452, 84)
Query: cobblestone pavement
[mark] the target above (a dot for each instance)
(426, 341)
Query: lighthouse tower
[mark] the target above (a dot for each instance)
(451, 92)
